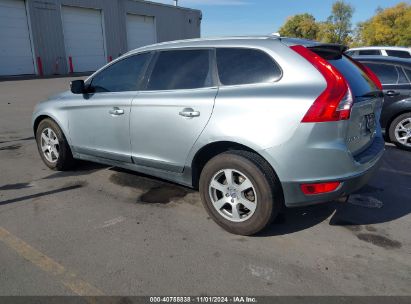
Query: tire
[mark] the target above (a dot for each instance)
(404, 119)
(64, 161)
(265, 197)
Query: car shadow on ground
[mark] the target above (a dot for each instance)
(384, 199)
(81, 168)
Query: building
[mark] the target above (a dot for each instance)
(47, 37)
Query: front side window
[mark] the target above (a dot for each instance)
(245, 66)
(400, 54)
(181, 69)
(387, 74)
(369, 52)
(121, 76)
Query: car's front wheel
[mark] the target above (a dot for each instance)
(240, 192)
(53, 146)
(400, 131)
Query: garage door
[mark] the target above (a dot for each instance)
(83, 38)
(141, 30)
(16, 56)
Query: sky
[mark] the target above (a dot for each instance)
(261, 17)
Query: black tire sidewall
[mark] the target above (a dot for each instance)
(267, 204)
(392, 130)
(65, 157)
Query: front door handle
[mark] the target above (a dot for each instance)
(116, 111)
(189, 112)
(392, 93)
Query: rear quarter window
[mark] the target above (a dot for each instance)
(402, 79)
(245, 66)
(408, 73)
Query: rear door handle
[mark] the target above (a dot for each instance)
(116, 111)
(392, 93)
(189, 112)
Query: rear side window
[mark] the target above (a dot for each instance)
(387, 74)
(245, 66)
(181, 69)
(400, 54)
(121, 76)
(369, 52)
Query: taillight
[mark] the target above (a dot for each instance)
(368, 72)
(336, 100)
(319, 188)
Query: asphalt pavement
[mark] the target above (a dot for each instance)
(99, 230)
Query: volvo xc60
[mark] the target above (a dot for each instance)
(256, 123)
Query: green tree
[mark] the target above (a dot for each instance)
(337, 28)
(390, 26)
(300, 26)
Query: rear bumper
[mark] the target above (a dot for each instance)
(296, 198)
(328, 164)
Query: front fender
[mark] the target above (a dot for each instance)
(46, 110)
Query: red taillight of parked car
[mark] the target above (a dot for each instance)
(336, 100)
(368, 72)
(319, 188)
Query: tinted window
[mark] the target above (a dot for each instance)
(245, 66)
(349, 53)
(359, 82)
(386, 73)
(401, 76)
(408, 72)
(369, 52)
(401, 54)
(182, 69)
(121, 76)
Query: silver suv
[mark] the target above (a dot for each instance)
(256, 123)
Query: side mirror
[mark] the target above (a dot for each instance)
(77, 87)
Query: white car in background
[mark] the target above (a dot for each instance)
(401, 52)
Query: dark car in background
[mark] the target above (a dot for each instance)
(395, 76)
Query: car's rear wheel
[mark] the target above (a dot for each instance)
(241, 192)
(52, 146)
(400, 131)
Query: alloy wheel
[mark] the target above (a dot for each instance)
(403, 132)
(233, 195)
(50, 145)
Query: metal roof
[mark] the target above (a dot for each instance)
(394, 48)
(199, 42)
(237, 40)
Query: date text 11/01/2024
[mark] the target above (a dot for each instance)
(203, 299)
